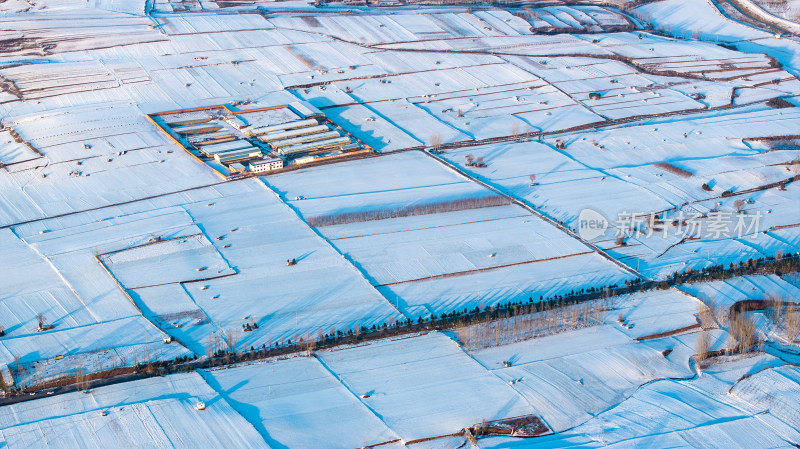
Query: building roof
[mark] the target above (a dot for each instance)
(282, 126)
(266, 160)
(305, 147)
(285, 134)
(304, 109)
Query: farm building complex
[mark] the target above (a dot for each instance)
(243, 141)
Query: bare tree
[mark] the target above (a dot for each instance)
(214, 344)
(515, 131)
(713, 309)
(707, 316)
(470, 159)
(792, 323)
(739, 205)
(517, 328)
(774, 305)
(532, 177)
(743, 332)
(3, 385)
(436, 143)
(406, 211)
(82, 379)
(231, 340)
(703, 346)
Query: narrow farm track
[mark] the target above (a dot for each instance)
(755, 12)
(481, 270)
(121, 203)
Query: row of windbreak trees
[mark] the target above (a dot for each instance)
(554, 314)
(537, 323)
(434, 207)
(568, 315)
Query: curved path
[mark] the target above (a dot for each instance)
(750, 8)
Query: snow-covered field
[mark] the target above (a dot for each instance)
(445, 261)
(597, 384)
(719, 408)
(258, 235)
(157, 412)
(726, 293)
(299, 403)
(496, 129)
(616, 174)
(594, 386)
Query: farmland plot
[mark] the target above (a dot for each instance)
(255, 234)
(622, 91)
(188, 258)
(228, 247)
(378, 29)
(65, 354)
(636, 76)
(725, 293)
(774, 389)
(218, 240)
(156, 412)
(65, 79)
(75, 297)
(521, 283)
(97, 156)
(378, 132)
(570, 376)
(619, 173)
(401, 376)
(31, 286)
(559, 176)
(473, 102)
(52, 31)
(458, 242)
(446, 260)
(693, 413)
(702, 20)
(657, 312)
(696, 59)
(374, 183)
(75, 242)
(569, 390)
(565, 19)
(13, 152)
(299, 403)
(539, 46)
